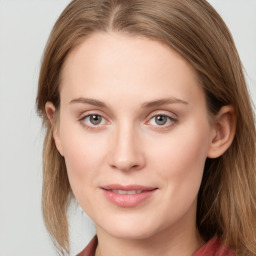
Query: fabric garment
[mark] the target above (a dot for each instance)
(211, 248)
(90, 249)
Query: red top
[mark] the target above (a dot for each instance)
(211, 248)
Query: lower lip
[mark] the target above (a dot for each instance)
(128, 200)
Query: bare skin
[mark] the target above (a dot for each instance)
(133, 113)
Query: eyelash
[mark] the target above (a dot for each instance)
(91, 126)
(171, 121)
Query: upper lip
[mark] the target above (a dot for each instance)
(127, 187)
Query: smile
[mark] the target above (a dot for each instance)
(126, 192)
(128, 196)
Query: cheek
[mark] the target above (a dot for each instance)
(83, 164)
(180, 159)
(179, 164)
(83, 156)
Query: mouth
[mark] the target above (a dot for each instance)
(125, 192)
(128, 196)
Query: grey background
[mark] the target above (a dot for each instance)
(24, 29)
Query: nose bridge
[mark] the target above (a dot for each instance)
(125, 153)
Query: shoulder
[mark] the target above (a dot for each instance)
(214, 247)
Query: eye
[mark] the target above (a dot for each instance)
(161, 120)
(93, 120)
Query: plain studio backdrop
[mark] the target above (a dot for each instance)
(24, 29)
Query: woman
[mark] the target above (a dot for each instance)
(150, 128)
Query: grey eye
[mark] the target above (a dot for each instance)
(161, 119)
(95, 119)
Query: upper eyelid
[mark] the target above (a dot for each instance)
(172, 122)
(93, 114)
(172, 119)
(164, 113)
(92, 126)
(90, 113)
(152, 114)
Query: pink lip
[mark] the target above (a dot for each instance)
(128, 200)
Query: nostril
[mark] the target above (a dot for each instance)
(125, 166)
(126, 157)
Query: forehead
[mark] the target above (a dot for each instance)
(115, 61)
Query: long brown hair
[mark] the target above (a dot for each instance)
(227, 196)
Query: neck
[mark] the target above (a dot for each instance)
(182, 240)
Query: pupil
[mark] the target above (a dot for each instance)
(95, 119)
(161, 120)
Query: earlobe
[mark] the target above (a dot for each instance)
(51, 114)
(224, 127)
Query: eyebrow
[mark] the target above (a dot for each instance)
(93, 102)
(149, 104)
(163, 102)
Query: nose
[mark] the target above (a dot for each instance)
(126, 151)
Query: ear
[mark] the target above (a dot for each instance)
(51, 114)
(223, 132)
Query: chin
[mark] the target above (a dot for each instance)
(131, 228)
(131, 234)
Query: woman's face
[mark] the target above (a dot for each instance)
(135, 134)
